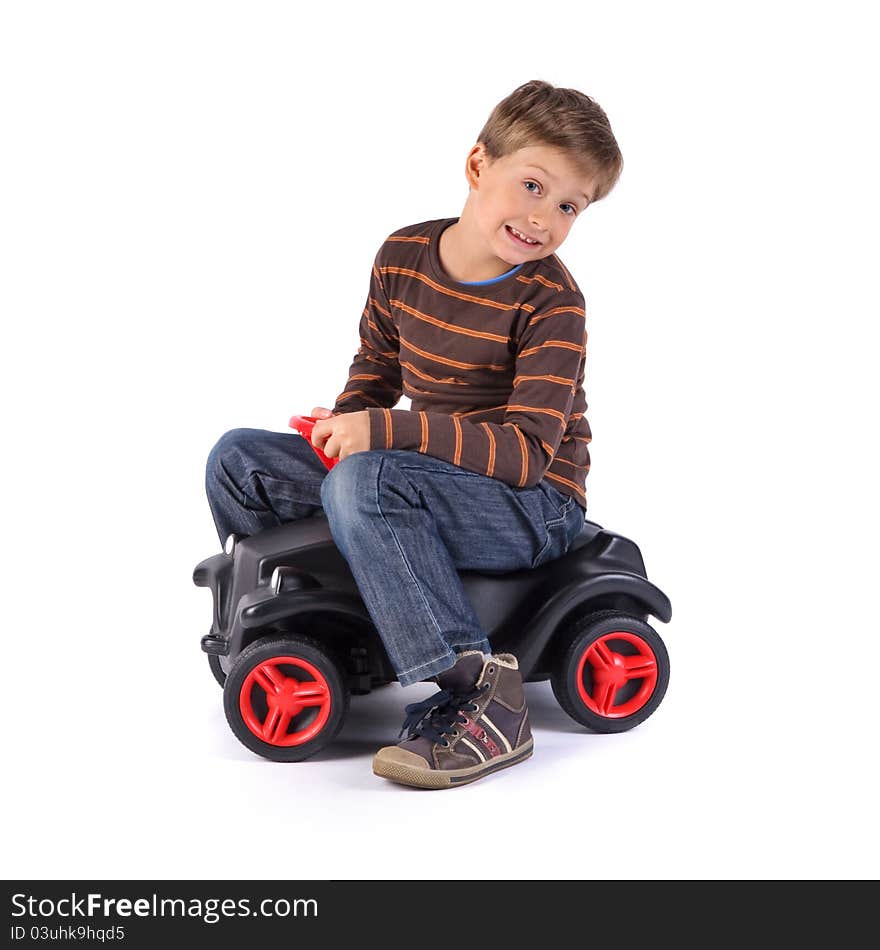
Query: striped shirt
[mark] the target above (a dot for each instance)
(494, 370)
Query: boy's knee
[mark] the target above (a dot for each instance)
(346, 481)
(230, 441)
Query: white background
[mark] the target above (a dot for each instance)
(192, 196)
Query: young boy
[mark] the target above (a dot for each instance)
(478, 322)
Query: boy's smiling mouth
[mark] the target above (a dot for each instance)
(521, 238)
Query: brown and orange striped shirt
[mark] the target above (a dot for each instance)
(494, 370)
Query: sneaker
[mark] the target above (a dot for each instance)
(478, 723)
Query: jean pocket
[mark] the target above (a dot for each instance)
(558, 500)
(557, 515)
(574, 522)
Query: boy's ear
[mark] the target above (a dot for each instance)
(476, 159)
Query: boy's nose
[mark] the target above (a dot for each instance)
(537, 224)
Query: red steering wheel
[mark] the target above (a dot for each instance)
(304, 425)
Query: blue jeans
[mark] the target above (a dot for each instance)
(405, 522)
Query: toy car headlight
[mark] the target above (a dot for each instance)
(276, 580)
(284, 578)
(229, 547)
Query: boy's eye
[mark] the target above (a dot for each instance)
(565, 204)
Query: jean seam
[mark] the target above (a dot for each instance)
(541, 553)
(282, 483)
(473, 643)
(402, 553)
(441, 471)
(551, 526)
(420, 666)
(566, 508)
(567, 500)
(242, 499)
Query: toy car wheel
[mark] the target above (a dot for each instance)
(611, 672)
(285, 698)
(217, 669)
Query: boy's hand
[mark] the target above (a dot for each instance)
(342, 435)
(319, 412)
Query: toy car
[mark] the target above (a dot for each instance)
(291, 640)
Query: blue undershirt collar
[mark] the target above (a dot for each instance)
(492, 280)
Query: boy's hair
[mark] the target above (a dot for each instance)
(539, 113)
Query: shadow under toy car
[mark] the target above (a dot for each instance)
(291, 639)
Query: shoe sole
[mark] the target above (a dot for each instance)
(449, 778)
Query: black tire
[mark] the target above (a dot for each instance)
(217, 669)
(290, 660)
(590, 678)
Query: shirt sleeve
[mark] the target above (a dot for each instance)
(549, 359)
(374, 378)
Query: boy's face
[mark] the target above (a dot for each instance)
(536, 190)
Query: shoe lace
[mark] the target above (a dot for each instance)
(436, 716)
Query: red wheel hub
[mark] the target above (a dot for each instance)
(286, 698)
(611, 670)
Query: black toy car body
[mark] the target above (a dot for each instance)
(291, 639)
